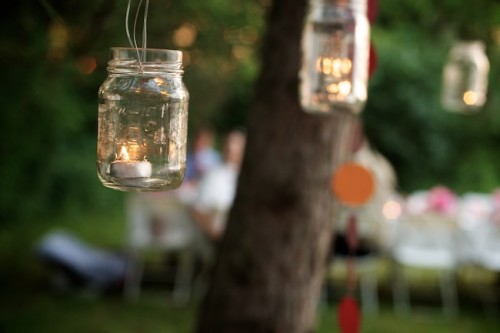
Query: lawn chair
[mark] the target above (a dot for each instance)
(161, 222)
(425, 241)
(480, 241)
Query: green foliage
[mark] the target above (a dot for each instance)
(49, 98)
(49, 104)
(403, 105)
(403, 116)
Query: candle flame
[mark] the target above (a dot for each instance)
(124, 154)
(337, 67)
(470, 97)
(345, 87)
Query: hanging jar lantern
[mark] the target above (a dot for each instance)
(142, 123)
(335, 57)
(465, 77)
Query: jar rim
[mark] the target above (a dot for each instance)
(470, 43)
(129, 59)
(357, 5)
(146, 55)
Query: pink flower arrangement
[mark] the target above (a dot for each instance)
(495, 214)
(442, 200)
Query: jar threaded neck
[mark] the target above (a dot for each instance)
(145, 60)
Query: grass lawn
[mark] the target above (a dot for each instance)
(45, 312)
(28, 305)
(421, 320)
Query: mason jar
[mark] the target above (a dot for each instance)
(142, 123)
(465, 77)
(335, 56)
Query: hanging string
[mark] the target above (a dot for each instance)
(132, 39)
(352, 244)
(126, 24)
(145, 26)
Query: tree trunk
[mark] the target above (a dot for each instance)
(271, 261)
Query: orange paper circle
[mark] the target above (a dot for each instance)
(353, 184)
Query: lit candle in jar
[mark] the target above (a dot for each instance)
(124, 167)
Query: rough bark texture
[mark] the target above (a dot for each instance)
(271, 262)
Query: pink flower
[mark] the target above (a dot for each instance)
(495, 215)
(442, 200)
(496, 198)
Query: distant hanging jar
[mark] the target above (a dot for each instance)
(142, 124)
(335, 56)
(465, 77)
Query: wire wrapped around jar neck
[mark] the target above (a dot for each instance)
(356, 5)
(131, 60)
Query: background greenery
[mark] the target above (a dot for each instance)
(404, 118)
(54, 56)
(54, 64)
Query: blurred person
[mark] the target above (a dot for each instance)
(217, 188)
(203, 156)
(199, 160)
(371, 228)
(76, 264)
(162, 220)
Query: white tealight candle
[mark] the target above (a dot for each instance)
(128, 169)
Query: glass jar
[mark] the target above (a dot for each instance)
(335, 56)
(465, 77)
(142, 124)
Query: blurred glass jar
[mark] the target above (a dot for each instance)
(142, 123)
(465, 77)
(335, 56)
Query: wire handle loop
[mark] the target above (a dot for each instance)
(132, 39)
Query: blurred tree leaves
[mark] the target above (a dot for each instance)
(404, 118)
(54, 55)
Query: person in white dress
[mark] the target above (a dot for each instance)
(217, 188)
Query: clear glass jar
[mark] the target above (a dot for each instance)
(335, 56)
(142, 124)
(465, 77)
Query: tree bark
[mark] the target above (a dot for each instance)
(271, 261)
